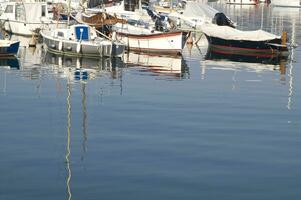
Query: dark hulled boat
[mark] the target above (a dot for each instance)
(229, 41)
(9, 48)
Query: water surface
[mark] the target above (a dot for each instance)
(154, 127)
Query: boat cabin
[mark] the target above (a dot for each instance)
(25, 12)
(79, 32)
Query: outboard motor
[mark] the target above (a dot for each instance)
(222, 20)
(161, 23)
(158, 24)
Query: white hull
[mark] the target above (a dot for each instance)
(242, 2)
(80, 41)
(27, 18)
(288, 3)
(143, 40)
(29, 29)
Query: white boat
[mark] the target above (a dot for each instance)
(288, 3)
(146, 40)
(81, 40)
(195, 14)
(27, 18)
(123, 11)
(243, 2)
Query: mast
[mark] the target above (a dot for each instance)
(69, 11)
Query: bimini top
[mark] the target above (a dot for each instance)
(229, 33)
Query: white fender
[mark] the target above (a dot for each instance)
(60, 46)
(114, 36)
(78, 47)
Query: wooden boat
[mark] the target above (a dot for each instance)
(229, 41)
(98, 19)
(81, 40)
(9, 48)
(140, 39)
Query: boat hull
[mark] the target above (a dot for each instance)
(9, 50)
(83, 48)
(263, 49)
(158, 43)
(29, 29)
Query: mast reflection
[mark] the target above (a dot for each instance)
(68, 151)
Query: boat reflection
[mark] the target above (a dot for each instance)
(11, 62)
(166, 67)
(25, 41)
(82, 68)
(27, 62)
(246, 63)
(271, 60)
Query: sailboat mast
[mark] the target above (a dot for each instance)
(69, 11)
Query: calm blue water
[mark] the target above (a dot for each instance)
(200, 129)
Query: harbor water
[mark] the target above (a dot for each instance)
(154, 127)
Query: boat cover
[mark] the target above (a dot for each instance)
(228, 33)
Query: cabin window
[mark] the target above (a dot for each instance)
(60, 34)
(20, 12)
(9, 9)
(131, 5)
(43, 11)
